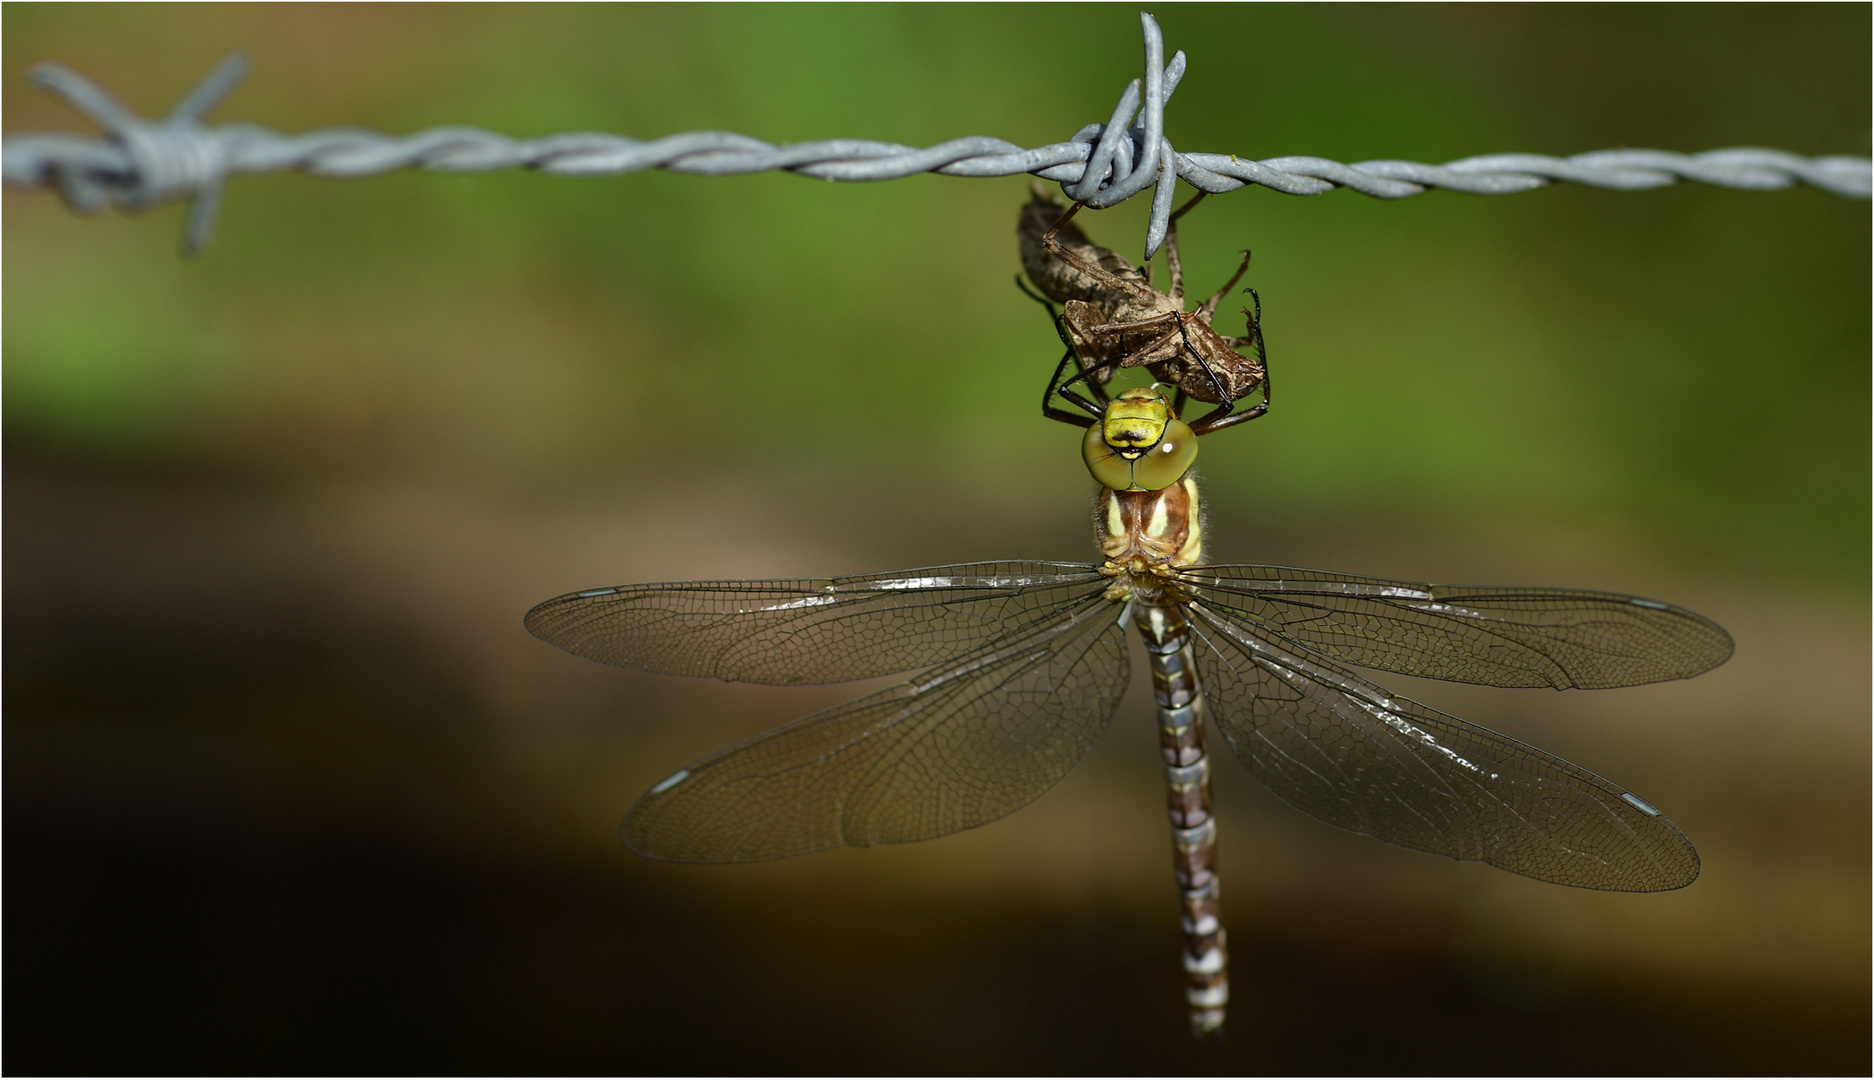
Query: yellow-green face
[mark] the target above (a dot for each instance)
(1140, 444)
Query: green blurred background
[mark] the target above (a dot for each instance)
(288, 788)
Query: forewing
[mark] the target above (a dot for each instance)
(1347, 752)
(956, 748)
(812, 630)
(1463, 633)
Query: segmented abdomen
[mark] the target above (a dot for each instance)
(1193, 830)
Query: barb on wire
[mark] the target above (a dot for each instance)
(171, 158)
(138, 163)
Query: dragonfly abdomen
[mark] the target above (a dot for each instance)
(1180, 701)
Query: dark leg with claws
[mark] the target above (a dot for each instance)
(1177, 321)
(1064, 387)
(1055, 386)
(1222, 418)
(1215, 383)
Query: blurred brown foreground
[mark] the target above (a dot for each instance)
(289, 789)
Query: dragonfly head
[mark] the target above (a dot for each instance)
(1139, 444)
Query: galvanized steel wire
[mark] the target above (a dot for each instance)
(138, 163)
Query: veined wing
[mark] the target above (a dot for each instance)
(957, 747)
(1345, 751)
(812, 630)
(1463, 633)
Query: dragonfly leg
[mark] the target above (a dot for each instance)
(1172, 261)
(1215, 383)
(1088, 370)
(1188, 207)
(1065, 388)
(1053, 315)
(1171, 252)
(1221, 418)
(1093, 270)
(1177, 321)
(1133, 326)
(1055, 383)
(1209, 309)
(1055, 386)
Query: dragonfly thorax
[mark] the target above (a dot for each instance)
(1147, 535)
(1139, 444)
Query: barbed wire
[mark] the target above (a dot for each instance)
(138, 163)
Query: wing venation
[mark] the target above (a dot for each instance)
(811, 630)
(1462, 633)
(1343, 750)
(958, 747)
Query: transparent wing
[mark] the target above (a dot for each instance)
(1345, 751)
(1465, 633)
(956, 748)
(812, 630)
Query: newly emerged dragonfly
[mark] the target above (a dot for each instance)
(1020, 665)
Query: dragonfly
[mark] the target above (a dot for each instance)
(1018, 667)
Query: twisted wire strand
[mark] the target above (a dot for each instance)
(138, 163)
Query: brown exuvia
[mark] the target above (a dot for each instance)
(1114, 318)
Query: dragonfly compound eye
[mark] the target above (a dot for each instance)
(1165, 464)
(1161, 465)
